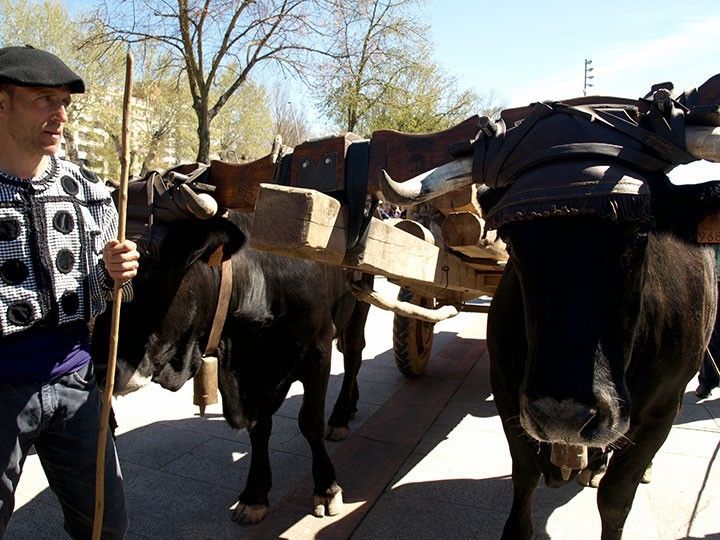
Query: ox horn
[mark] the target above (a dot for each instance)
(703, 142)
(200, 205)
(449, 177)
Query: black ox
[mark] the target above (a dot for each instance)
(281, 322)
(608, 300)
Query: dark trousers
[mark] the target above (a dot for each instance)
(708, 375)
(62, 420)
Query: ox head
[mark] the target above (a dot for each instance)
(580, 196)
(164, 328)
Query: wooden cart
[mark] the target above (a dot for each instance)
(317, 202)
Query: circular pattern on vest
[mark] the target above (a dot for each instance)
(70, 302)
(13, 271)
(9, 229)
(89, 175)
(20, 313)
(65, 261)
(64, 222)
(70, 185)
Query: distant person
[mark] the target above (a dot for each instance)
(708, 376)
(59, 258)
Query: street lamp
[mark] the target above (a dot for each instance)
(294, 120)
(588, 69)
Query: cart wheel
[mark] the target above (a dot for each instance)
(412, 338)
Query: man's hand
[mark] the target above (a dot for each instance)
(121, 259)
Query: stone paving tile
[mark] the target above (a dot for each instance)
(165, 505)
(155, 446)
(398, 517)
(38, 521)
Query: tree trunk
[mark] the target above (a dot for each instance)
(71, 150)
(203, 131)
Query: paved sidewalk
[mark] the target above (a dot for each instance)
(426, 459)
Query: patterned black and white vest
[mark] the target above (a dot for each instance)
(52, 232)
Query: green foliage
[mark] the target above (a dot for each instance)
(374, 48)
(242, 130)
(216, 43)
(421, 100)
(382, 76)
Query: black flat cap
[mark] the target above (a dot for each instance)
(27, 66)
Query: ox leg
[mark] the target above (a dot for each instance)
(351, 342)
(625, 472)
(525, 477)
(525, 471)
(327, 493)
(253, 502)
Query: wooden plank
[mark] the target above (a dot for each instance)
(486, 265)
(405, 155)
(320, 163)
(238, 183)
(464, 232)
(459, 200)
(299, 222)
(309, 224)
(412, 227)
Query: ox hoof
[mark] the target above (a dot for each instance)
(590, 478)
(336, 433)
(330, 505)
(249, 514)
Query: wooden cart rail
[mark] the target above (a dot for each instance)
(305, 223)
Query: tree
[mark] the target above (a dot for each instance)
(162, 118)
(427, 99)
(47, 24)
(289, 121)
(217, 42)
(382, 74)
(423, 100)
(243, 129)
(375, 47)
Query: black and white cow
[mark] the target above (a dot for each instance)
(608, 300)
(282, 318)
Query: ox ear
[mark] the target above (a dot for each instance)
(222, 239)
(681, 208)
(488, 197)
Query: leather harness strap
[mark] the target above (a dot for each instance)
(226, 279)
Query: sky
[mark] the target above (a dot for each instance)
(524, 51)
(529, 51)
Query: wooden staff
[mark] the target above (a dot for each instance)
(117, 303)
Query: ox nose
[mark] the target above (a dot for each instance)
(566, 421)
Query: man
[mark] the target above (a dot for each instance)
(58, 260)
(708, 376)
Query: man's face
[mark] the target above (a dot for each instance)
(34, 117)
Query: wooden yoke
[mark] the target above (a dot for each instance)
(405, 155)
(238, 183)
(320, 164)
(324, 164)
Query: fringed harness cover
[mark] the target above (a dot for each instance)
(564, 160)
